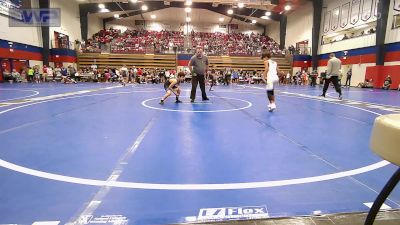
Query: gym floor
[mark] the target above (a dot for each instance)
(102, 153)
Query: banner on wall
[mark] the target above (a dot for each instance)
(345, 13)
(10, 8)
(335, 18)
(355, 11)
(376, 8)
(327, 20)
(396, 7)
(366, 11)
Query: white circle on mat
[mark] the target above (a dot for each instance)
(248, 105)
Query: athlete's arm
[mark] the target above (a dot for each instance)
(190, 66)
(264, 77)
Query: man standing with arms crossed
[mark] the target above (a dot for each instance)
(198, 67)
(332, 75)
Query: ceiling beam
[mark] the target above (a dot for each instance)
(158, 5)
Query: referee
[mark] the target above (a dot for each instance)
(332, 75)
(198, 67)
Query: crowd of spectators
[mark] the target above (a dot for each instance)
(234, 43)
(144, 41)
(348, 35)
(138, 75)
(35, 74)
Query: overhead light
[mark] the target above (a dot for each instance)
(288, 7)
(188, 2)
(101, 6)
(145, 8)
(268, 13)
(134, 1)
(230, 11)
(188, 9)
(336, 13)
(116, 16)
(221, 19)
(153, 16)
(265, 17)
(104, 10)
(188, 19)
(240, 4)
(254, 21)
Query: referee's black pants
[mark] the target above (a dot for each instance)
(198, 79)
(335, 81)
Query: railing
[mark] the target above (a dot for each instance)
(117, 49)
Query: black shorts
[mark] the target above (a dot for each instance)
(166, 86)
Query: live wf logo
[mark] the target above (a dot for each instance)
(37, 17)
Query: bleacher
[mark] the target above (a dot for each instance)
(169, 61)
(246, 63)
(117, 60)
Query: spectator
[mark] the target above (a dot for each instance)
(314, 76)
(7, 75)
(348, 78)
(16, 76)
(37, 74)
(23, 74)
(44, 75)
(366, 84)
(387, 83)
(288, 76)
(50, 73)
(371, 31)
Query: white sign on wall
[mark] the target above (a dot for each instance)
(335, 18)
(355, 11)
(366, 12)
(345, 15)
(327, 20)
(396, 7)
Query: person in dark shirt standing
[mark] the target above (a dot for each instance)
(314, 76)
(198, 66)
(348, 78)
